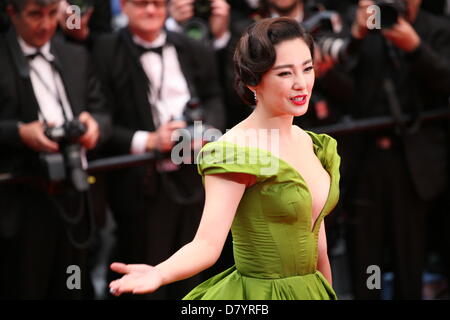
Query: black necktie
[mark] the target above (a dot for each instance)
(143, 50)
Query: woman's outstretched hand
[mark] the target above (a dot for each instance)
(137, 279)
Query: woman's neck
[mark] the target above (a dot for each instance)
(261, 119)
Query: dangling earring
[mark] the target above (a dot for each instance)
(256, 100)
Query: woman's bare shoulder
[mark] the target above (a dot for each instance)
(301, 134)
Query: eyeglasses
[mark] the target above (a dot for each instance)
(159, 4)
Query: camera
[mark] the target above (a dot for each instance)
(194, 117)
(390, 11)
(318, 23)
(324, 26)
(202, 9)
(69, 132)
(195, 126)
(68, 163)
(197, 28)
(187, 139)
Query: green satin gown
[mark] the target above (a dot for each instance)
(274, 238)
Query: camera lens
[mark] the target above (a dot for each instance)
(390, 10)
(202, 9)
(389, 16)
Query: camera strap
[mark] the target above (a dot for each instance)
(74, 222)
(158, 96)
(56, 95)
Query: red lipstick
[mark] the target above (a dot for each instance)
(299, 100)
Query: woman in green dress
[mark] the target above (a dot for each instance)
(271, 182)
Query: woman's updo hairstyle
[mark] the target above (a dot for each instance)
(255, 52)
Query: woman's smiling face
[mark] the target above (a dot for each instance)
(286, 88)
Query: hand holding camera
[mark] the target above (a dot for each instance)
(73, 134)
(32, 134)
(42, 137)
(84, 131)
(403, 36)
(213, 12)
(90, 138)
(393, 22)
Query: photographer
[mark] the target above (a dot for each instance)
(207, 21)
(402, 67)
(204, 20)
(47, 88)
(152, 78)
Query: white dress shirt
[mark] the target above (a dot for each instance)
(47, 93)
(174, 89)
(50, 93)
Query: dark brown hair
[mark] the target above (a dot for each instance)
(255, 52)
(19, 5)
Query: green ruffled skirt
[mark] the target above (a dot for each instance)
(232, 285)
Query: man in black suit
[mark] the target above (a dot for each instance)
(404, 69)
(44, 82)
(150, 76)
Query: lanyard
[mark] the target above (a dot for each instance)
(161, 80)
(55, 95)
(158, 96)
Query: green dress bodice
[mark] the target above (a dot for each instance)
(275, 240)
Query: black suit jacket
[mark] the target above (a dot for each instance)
(422, 82)
(18, 104)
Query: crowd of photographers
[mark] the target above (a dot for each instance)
(90, 79)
